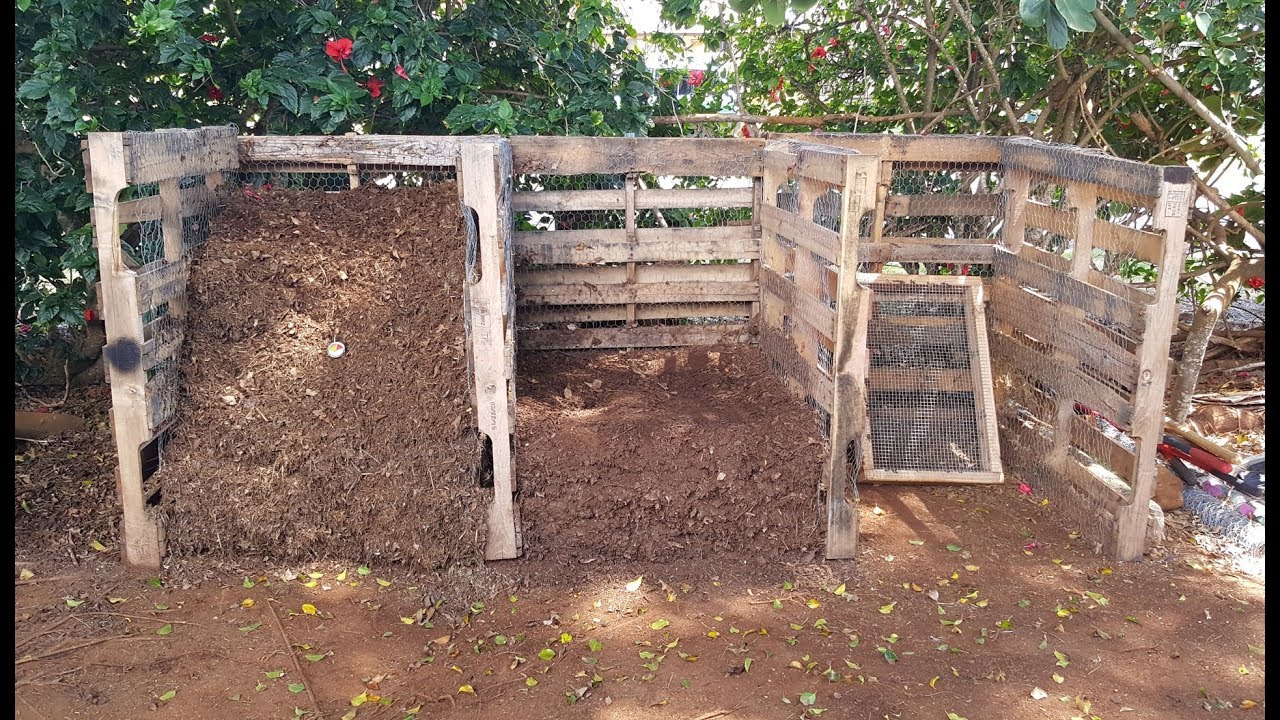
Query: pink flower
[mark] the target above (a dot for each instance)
(209, 38)
(745, 132)
(1033, 545)
(400, 71)
(833, 41)
(696, 77)
(375, 87)
(1024, 488)
(338, 50)
(818, 52)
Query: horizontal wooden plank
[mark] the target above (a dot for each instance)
(585, 247)
(798, 304)
(1090, 166)
(194, 201)
(161, 282)
(1069, 383)
(1060, 221)
(644, 273)
(939, 241)
(972, 477)
(959, 151)
(172, 154)
(807, 234)
(402, 150)
(884, 378)
(1043, 319)
(1060, 286)
(1098, 279)
(622, 294)
(942, 205)
(689, 157)
(657, 311)
(927, 253)
(642, 336)
(1146, 246)
(892, 282)
(801, 376)
(659, 199)
(1031, 450)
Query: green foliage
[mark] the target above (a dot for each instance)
(500, 66)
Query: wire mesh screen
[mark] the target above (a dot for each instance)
(1072, 297)
(640, 260)
(922, 399)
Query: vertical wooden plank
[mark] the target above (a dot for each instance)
(485, 170)
(1082, 199)
(629, 220)
(810, 274)
(882, 200)
(772, 254)
(849, 408)
(171, 229)
(983, 385)
(1170, 216)
(142, 539)
(757, 199)
(1017, 186)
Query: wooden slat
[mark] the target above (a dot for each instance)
(1046, 217)
(928, 253)
(1147, 246)
(803, 378)
(957, 150)
(402, 150)
(622, 294)
(553, 200)
(937, 241)
(881, 379)
(657, 311)
(885, 282)
(1090, 166)
(968, 477)
(642, 336)
(1065, 381)
(679, 198)
(196, 200)
(803, 306)
(807, 234)
(1069, 291)
(173, 154)
(645, 273)
(161, 282)
(572, 247)
(1100, 280)
(943, 205)
(696, 157)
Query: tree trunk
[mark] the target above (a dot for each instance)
(1206, 319)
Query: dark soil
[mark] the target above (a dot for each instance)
(665, 455)
(283, 451)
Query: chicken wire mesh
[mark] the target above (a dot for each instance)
(1073, 290)
(588, 276)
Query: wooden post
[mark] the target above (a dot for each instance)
(629, 222)
(757, 199)
(848, 408)
(142, 540)
(485, 170)
(1147, 428)
(1082, 200)
(1017, 187)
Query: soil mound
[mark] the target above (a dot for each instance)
(283, 451)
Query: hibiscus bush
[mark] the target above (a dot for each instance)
(270, 66)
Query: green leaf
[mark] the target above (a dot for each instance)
(775, 11)
(808, 698)
(1034, 12)
(248, 583)
(547, 654)
(168, 696)
(296, 687)
(1078, 14)
(742, 7)
(1204, 22)
(165, 630)
(595, 645)
(251, 627)
(314, 658)
(800, 6)
(274, 674)
(953, 547)
(659, 624)
(24, 4)
(1058, 33)
(746, 665)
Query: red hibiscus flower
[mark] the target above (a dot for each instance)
(215, 93)
(400, 71)
(774, 96)
(339, 49)
(746, 132)
(89, 315)
(818, 52)
(1255, 283)
(696, 77)
(375, 87)
(1024, 488)
(209, 38)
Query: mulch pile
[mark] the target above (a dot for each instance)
(660, 455)
(280, 450)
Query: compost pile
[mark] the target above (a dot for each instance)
(285, 452)
(659, 455)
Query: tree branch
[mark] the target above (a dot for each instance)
(1234, 141)
(809, 121)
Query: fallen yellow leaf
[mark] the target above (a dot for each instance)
(442, 641)
(309, 609)
(634, 585)
(467, 689)
(98, 546)
(839, 590)
(246, 603)
(26, 574)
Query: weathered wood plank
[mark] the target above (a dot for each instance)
(880, 379)
(807, 234)
(622, 294)
(162, 281)
(1112, 310)
(906, 477)
(574, 247)
(1146, 246)
(629, 337)
(173, 154)
(928, 253)
(655, 311)
(944, 205)
(644, 273)
(1065, 381)
(950, 149)
(690, 157)
(1090, 166)
(402, 150)
(803, 306)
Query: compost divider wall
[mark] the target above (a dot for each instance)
(639, 242)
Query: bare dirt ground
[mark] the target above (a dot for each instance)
(1022, 610)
